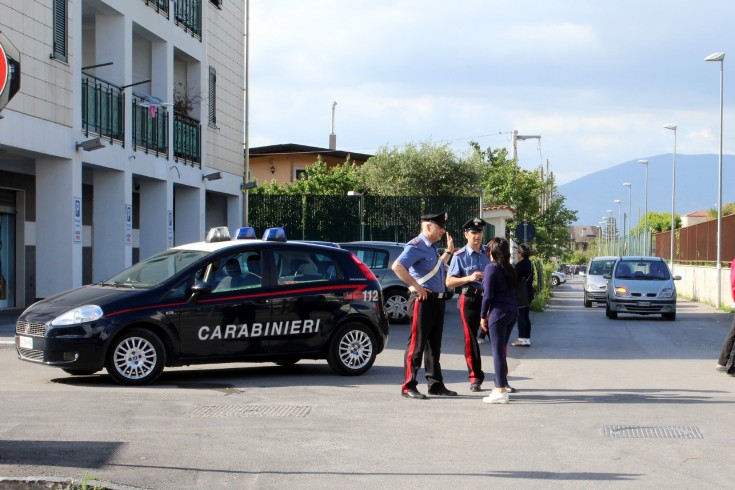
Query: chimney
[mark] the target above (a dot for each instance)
(332, 136)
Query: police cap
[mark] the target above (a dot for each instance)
(439, 219)
(474, 224)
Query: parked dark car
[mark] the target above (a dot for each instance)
(215, 301)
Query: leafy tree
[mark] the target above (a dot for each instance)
(423, 169)
(657, 222)
(727, 210)
(320, 179)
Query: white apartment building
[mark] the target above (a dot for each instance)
(125, 139)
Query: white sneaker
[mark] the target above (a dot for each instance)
(527, 342)
(497, 397)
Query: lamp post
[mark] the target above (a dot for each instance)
(629, 185)
(599, 240)
(721, 58)
(645, 216)
(672, 127)
(617, 241)
(610, 246)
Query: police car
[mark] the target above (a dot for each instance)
(221, 300)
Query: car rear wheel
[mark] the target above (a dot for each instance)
(352, 350)
(396, 305)
(612, 315)
(80, 372)
(136, 357)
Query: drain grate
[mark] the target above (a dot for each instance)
(251, 411)
(653, 432)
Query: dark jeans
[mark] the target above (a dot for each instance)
(727, 346)
(500, 325)
(524, 322)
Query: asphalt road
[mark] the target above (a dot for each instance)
(585, 382)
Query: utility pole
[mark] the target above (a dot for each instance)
(515, 138)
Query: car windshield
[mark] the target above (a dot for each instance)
(644, 270)
(155, 270)
(600, 267)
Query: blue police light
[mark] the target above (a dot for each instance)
(274, 235)
(218, 234)
(245, 233)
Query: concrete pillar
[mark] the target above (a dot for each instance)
(186, 208)
(110, 252)
(153, 217)
(58, 225)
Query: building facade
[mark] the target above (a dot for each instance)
(125, 139)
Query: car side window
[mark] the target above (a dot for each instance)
(296, 266)
(374, 259)
(238, 271)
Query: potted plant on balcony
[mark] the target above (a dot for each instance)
(184, 100)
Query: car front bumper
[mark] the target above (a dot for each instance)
(642, 307)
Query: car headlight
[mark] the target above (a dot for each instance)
(621, 291)
(666, 293)
(82, 314)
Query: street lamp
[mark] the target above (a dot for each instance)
(645, 216)
(630, 201)
(721, 58)
(599, 242)
(617, 242)
(672, 127)
(610, 246)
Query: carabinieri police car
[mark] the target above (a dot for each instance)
(215, 301)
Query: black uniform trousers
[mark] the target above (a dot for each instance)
(425, 341)
(469, 311)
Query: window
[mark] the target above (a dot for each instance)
(217, 3)
(212, 96)
(299, 173)
(59, 24)
(297, 267)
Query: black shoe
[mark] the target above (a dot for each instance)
(414, 393)
(442, 391)
(510, 389)
(475, 387)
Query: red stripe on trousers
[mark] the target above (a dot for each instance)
(467, 337)
(412, 346)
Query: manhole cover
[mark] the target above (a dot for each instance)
(653, 432)
(251, 411)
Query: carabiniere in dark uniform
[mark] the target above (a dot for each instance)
(466, 271)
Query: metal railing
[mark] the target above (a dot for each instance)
(150, 127)
(188, 15)
(187, 140)
(160, 6)
(103, 109)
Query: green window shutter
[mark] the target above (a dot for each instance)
(212, 96)
(60, 23)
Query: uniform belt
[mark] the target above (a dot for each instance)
(434, 295)
(470, 291)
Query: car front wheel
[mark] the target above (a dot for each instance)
(136, 357)
(352, 350)
(554, 281)
(396, 305)
(587, 303)
(612, 315)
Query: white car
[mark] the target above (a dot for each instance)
(558, 278)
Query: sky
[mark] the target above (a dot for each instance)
(596, 80)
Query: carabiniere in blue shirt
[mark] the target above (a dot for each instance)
(466, 261)
(419, 258)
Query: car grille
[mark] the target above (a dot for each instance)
(29, 328)
(644, 309)
(646, 295)
(31, 354)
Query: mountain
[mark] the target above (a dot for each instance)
(696, 187)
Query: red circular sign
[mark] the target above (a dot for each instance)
(3, 70)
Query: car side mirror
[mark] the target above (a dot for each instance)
(677, 278)
(199, 288)
(607, 276)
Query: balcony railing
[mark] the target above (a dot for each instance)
(188, 15)
(103, 109)
(150, 127)
(187, 140)
(160, 6)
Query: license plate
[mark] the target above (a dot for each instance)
(25, 342)
(644, 303)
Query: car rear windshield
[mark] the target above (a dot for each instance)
(647, 270)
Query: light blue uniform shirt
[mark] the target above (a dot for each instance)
(420, 257)
(466, 261)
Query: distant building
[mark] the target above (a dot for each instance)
(581, 236)
(287, 162)
(695, 218)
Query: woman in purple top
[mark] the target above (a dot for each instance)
(499, 311)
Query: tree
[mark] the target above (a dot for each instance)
(319, 179)
(420, 170)
(657, 222)
(534, 198)
(727, 210)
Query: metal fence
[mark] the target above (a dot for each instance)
(698, 243)
(351, 218)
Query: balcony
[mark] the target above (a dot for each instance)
(160, 6)
(187, 140)
(103, 109)
(150, 127)
(188, 16)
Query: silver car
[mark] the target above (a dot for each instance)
(595, 285)
(643, 286)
